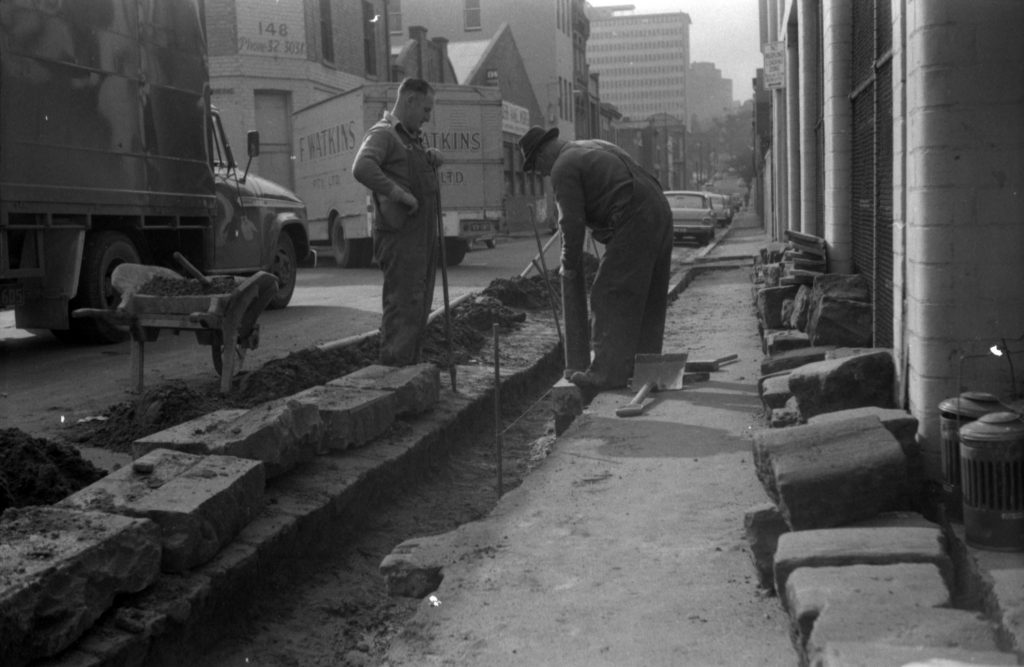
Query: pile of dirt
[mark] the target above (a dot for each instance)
(35, 471)
(164, 286)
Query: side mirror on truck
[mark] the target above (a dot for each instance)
(252, 145)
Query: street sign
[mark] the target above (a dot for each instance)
(775, 64)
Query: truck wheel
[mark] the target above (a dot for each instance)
(455, 251)
(104, 251)
(285, 267)
(350, 253)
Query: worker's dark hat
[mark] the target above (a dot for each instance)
(532, 141)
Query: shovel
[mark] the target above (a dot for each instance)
(655, 371)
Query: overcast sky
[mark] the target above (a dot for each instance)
(724, 32)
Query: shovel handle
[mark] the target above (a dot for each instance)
(191, 269)
(635, 406)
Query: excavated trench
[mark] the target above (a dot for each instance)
(336, 588)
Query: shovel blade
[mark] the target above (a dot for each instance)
(665, 371)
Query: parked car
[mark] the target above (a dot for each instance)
(692, 215)
(722, 209)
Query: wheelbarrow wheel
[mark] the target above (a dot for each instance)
(217, 349)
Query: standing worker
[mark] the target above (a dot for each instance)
(599, 186)
(401, 172)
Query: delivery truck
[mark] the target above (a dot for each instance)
(465, 125)
(111, 153)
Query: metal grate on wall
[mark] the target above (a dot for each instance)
(871, 189)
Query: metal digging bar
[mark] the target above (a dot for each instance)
(444, 283)
(543, 271)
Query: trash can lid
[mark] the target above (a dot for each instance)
(971, 404)
(994, 426)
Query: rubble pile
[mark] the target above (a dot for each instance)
(850, 540)
(800, 305)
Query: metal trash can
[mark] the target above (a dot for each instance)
(953, 414)
(992, 467)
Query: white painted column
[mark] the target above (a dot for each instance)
(964, 237)
(837, 19)
(792, 129)
(807, 37)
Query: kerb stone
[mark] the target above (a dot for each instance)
(900, 423)
(281, 434)
(417, 387)
(775, 391)
(826, 475)
(790, 359)
(861, 654)
(413, 568)
(61, 569)
(839, 384)
(860, 546)
(199, 502)
(900, 625)
(762, 526)
(810, 590)
(769, 305)
(351, 416)
(783, 341)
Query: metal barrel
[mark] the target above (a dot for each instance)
(954, 413)
(992, 468)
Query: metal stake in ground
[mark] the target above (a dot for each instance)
(497, 409)
(444, 283)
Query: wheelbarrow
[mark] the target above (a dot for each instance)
(226, 322)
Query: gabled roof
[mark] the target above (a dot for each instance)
(467, 56)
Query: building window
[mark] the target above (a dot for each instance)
(326, 32)
(370, 38)
(395, 17)
(472, 15)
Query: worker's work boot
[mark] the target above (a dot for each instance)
(588, 383)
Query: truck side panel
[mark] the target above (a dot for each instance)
(102, 106)
(465, 125)
(327, 136)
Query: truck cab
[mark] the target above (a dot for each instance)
(110, 153)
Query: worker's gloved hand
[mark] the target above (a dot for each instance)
(568, 274)
(435, 158)
(404, 198)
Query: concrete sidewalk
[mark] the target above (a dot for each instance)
(627, 547)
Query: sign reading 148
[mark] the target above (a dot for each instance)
(265, 29)
(277, 29)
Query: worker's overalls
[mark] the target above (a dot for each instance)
(629, 296)
(407, 255)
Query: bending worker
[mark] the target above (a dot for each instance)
(400, 171)
(599, 186)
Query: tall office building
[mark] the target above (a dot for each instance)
(642, 60)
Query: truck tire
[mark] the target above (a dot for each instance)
(285, 267)
(350, 253)
(455, 250)
(103, 252)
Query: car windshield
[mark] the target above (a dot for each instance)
(685, 201)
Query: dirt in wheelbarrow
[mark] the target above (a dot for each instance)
(35, 471)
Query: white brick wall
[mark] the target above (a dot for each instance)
(965, 237)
